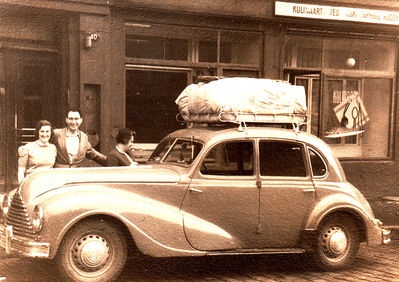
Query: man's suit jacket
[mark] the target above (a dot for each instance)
(85, 150)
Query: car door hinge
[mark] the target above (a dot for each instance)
(258, 184)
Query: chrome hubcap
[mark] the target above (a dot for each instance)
(90, 253)
(335, 241)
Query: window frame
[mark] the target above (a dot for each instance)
(321, 156)
(227, 177)
(193, 47)
(304, 154)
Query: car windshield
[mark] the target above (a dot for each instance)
(178, 150)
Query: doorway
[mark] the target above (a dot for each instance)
(29, 86)
(312, 83)
(150, 101)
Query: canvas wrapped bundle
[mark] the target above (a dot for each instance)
(243, 99)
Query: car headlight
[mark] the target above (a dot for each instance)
(37, 218)
(5, 207)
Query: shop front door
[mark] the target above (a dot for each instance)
(29, 84)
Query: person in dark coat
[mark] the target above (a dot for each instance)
(119, 156)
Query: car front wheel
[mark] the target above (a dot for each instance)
(93, 250)
(337, 242)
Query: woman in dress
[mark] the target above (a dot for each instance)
(39, 154)
(119, 156)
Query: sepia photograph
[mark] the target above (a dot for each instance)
(175, 140)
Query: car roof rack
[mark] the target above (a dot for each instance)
(231, 119)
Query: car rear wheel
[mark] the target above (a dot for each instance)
(93, 250)
(337, 242)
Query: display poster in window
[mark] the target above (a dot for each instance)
(351, 112)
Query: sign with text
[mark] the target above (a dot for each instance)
(336, 13)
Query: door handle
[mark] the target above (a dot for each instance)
(309, 190)
(195, 190)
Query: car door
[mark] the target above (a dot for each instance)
(286, 193)
(220, 209)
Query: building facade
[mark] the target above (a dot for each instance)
(124, 62)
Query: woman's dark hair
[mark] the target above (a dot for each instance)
(39, 125)
(124, 135)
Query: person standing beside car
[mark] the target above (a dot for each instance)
(73, 145)
(39, 154)
(119, 156)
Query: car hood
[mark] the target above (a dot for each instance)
(42, 181)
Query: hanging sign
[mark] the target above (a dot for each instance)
(336, 13)
(351, 112)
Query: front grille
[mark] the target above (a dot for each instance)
(19, 218)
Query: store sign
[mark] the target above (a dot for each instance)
(336, 13)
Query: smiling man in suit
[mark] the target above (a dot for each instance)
(73, 145)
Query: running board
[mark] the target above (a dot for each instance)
(257, 252)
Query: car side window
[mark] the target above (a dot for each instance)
(229, 158)
(279, 158)
(319, 167)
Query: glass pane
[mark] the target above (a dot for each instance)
(234, 158)
(304, 52)
(183, 152)
(207, 45)
(359, 55)
(150, 107)
(240, 48)
(318, 165)
(153, 47)
(152, 41)
(281, 159)
(356, 120)
(377, 100)
(339, 115)
(240, 73)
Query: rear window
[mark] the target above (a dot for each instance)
(319, 167)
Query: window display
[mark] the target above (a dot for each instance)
(354, 112)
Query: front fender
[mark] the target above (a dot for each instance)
(152, 223)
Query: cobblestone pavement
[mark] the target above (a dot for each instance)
(379, 263)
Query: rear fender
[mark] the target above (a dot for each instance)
(335, 203)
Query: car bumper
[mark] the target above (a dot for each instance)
(377, 234)
(22, 246)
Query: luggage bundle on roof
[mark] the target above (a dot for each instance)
(239, 99)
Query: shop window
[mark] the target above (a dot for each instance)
(303, 52)
(154, 47)
(377, 99)
(356, 117)
(353, 113)
(182, 43)
(207, 45)
(354, 54)
(359, 55)
(240, 48)
(150, 107)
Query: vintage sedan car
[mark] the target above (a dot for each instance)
(204, 191)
